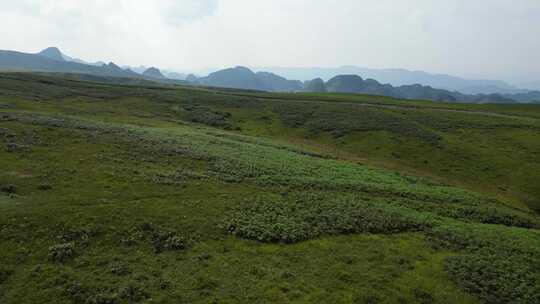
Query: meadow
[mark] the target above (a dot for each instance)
(122, 192)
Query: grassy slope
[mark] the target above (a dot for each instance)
(144, 193)
(493, 149)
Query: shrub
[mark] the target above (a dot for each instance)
(44, 187)
(75, 291)
(206, 284)
(208, 117)
(168, 241)
(423, 296)
(136, 234)
(161, 240)
(341, 119)
(79, 236)
(119, 269)
(176, 178)
(366, 298)
(133, 293)
(16, 148)
(164, 284)
(294, 222)
(487, 212)
(9, 189)
(500, 264)
(129, 240)
(62, 252)
(102, 298)
(4, 275)
(497, 277)
(145, 227)
(492, 215)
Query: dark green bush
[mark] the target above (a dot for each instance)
(208, 117)
(501, 264)
(44, 187)
(168, 241)
(491, 215)
(422, 296)
(9, 189)
(119, 269)
(133, 293)
(497, 277)
(487, 212)
(76, 292)
(79, 236)
(206, 284)
(472, 237)
(177, 177)
(130, 240)
(102, 298)
(342, 119)
(298, 221)
(160, 239)
(137, 233)
(366, 298)
(17, 148)
(4, 274)
(62, 252)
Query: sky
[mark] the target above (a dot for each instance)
(493, 39)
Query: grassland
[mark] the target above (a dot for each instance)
(120, 193)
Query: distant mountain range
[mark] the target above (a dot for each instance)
(153, 73)
(244, 78)
(168, 74)
(401, 77)
(532, 85)
(54, 53)
(53, 60)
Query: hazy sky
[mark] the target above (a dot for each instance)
(472, 38)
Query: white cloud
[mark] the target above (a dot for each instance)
(482, 38)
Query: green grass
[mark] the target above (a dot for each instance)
(115, 193)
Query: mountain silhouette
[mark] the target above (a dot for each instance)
(153, 73)
(52, 53)
(244, 78)
(52, 60)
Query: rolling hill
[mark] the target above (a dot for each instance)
(122, 192)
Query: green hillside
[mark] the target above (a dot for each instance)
(139, 193)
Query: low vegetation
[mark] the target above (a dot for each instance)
(308, 219)
(113, 193)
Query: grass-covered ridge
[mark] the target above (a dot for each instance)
(116, 193)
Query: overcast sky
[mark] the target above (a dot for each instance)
(498, 39)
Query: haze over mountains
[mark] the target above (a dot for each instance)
(400, 77)
(392, 82)
(54, 53)
(244, 78)
(51, 60)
